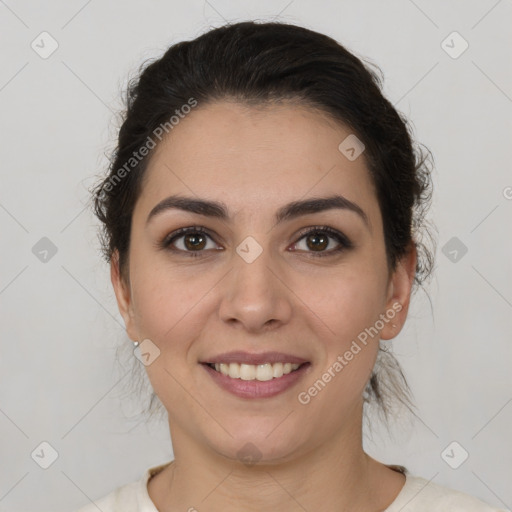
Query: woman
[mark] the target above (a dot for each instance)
(261, 220)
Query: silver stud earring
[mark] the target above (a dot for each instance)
(135, 343)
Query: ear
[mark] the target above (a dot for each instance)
(123, 296)
(399, 294)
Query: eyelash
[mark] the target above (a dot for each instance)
(344, 242)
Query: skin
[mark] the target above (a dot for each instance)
(255, 160)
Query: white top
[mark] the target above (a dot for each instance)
(417, 495)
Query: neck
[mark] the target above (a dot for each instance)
(338, 474)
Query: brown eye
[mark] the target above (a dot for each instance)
(323, 241)
(194, 241)
(190, 241)
(317, 241)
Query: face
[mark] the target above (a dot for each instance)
(263, 276)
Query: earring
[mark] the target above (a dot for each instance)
(135, 343)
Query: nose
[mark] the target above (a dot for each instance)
(255, 296)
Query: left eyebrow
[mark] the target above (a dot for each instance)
(218, 210)
(315, 205)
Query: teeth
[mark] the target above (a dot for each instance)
(261, 372)
(278, 370)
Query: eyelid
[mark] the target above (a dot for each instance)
(324, 229)
(340, 237)
(167, 241)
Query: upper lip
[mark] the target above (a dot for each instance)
(251, 358)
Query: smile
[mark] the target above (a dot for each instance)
(260, 372)
(263, 380)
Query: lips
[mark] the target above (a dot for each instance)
(254, 359)
(262, 375)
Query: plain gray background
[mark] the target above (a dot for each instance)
(60, 382)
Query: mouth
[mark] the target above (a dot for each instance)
(256, 376)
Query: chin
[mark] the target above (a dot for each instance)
(258, 444)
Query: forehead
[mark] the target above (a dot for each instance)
(252, 157)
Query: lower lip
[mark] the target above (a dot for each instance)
(256, 388)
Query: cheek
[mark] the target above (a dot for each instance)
(170, 311)
(350, 348)
(171, 304)
(347, 302)
(163, 303)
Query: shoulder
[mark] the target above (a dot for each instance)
(421, 495)
(125, 498)
(132, 497)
